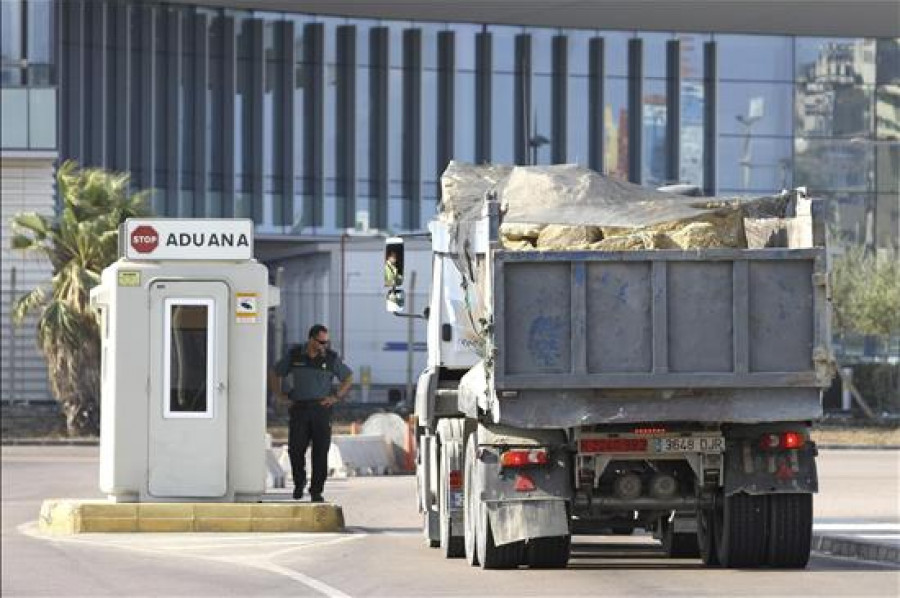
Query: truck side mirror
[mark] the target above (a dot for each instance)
(393, 263)
(395, 301)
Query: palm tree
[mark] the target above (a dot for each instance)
(79, 242)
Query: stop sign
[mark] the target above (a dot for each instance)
(144, 239)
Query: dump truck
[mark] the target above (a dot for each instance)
(629, 377)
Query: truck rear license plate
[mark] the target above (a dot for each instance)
(689, 444)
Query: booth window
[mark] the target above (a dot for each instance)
(188, 359)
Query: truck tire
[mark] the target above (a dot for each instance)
(678, 546)
(790, 530)
(741, 530)
(469, 505)
(491, 556)
(706, 537)
(548, 553)
(452, 546)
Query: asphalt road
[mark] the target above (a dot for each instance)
(383, 554)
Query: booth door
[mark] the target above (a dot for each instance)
(188, 396)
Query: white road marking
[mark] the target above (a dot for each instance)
(861, 527)
(262, 562)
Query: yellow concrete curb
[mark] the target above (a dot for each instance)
(73, 516)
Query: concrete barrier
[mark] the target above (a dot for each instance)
(396, 433)
(363, 454)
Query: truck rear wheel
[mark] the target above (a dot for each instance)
(706, 537)
(469, 505)
(548, 553)
(491, 556)
(678, 546)
(790, 530)
(453, 546)
(740, 530)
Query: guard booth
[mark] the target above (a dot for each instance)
(183, 318)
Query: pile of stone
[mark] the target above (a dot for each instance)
(568, 207)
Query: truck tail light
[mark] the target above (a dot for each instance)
(792, 440)
(524, 458)
(455, 480)
(784, 440)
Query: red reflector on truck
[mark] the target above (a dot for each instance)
(785, 440)
(455, 480)
(613, 445)
(524, 483)
(523, 458)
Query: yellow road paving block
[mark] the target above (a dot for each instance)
(223, 524)
(165, 524)
(70, 516)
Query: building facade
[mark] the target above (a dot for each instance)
(28, 154)
(323, 128)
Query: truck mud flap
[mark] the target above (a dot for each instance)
(526, 520)
(756, 472)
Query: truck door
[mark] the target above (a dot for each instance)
(188, 399)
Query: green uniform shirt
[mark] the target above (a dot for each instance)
(312, 377)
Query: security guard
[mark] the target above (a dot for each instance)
(314, 367)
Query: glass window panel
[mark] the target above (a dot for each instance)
(887, 167)
(395, 42)
(826, 164)
(835, 60)
(396, 203)
(362, 40)
(395, 124)
(41, 118)
(887, 61)
(40, 31)
(577, 132)
(363, 107)
(578, 45)
(887, 112)
(616, 52)
(504, 47)
(242, 111)
(772, 58)
(655, 54)
(11, 43)
(654, 133)
(329, 111)
(851, 218)
(615, 126)
(214, 118)
(887, 221)
(14, 124)
(691, 142)
(186, 113)
(541, 118)
(331, 24)
(502, 117)
(213, 208)
(429, 44)
(273, 116)
(465, 46)
(189, 373)
(430, 167)
(299, 121)
(464, 117)
(754, 165)
(542, 50)
(763, 108)
(833, 110)
(692, 55)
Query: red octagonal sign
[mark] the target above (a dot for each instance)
(144, 239)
